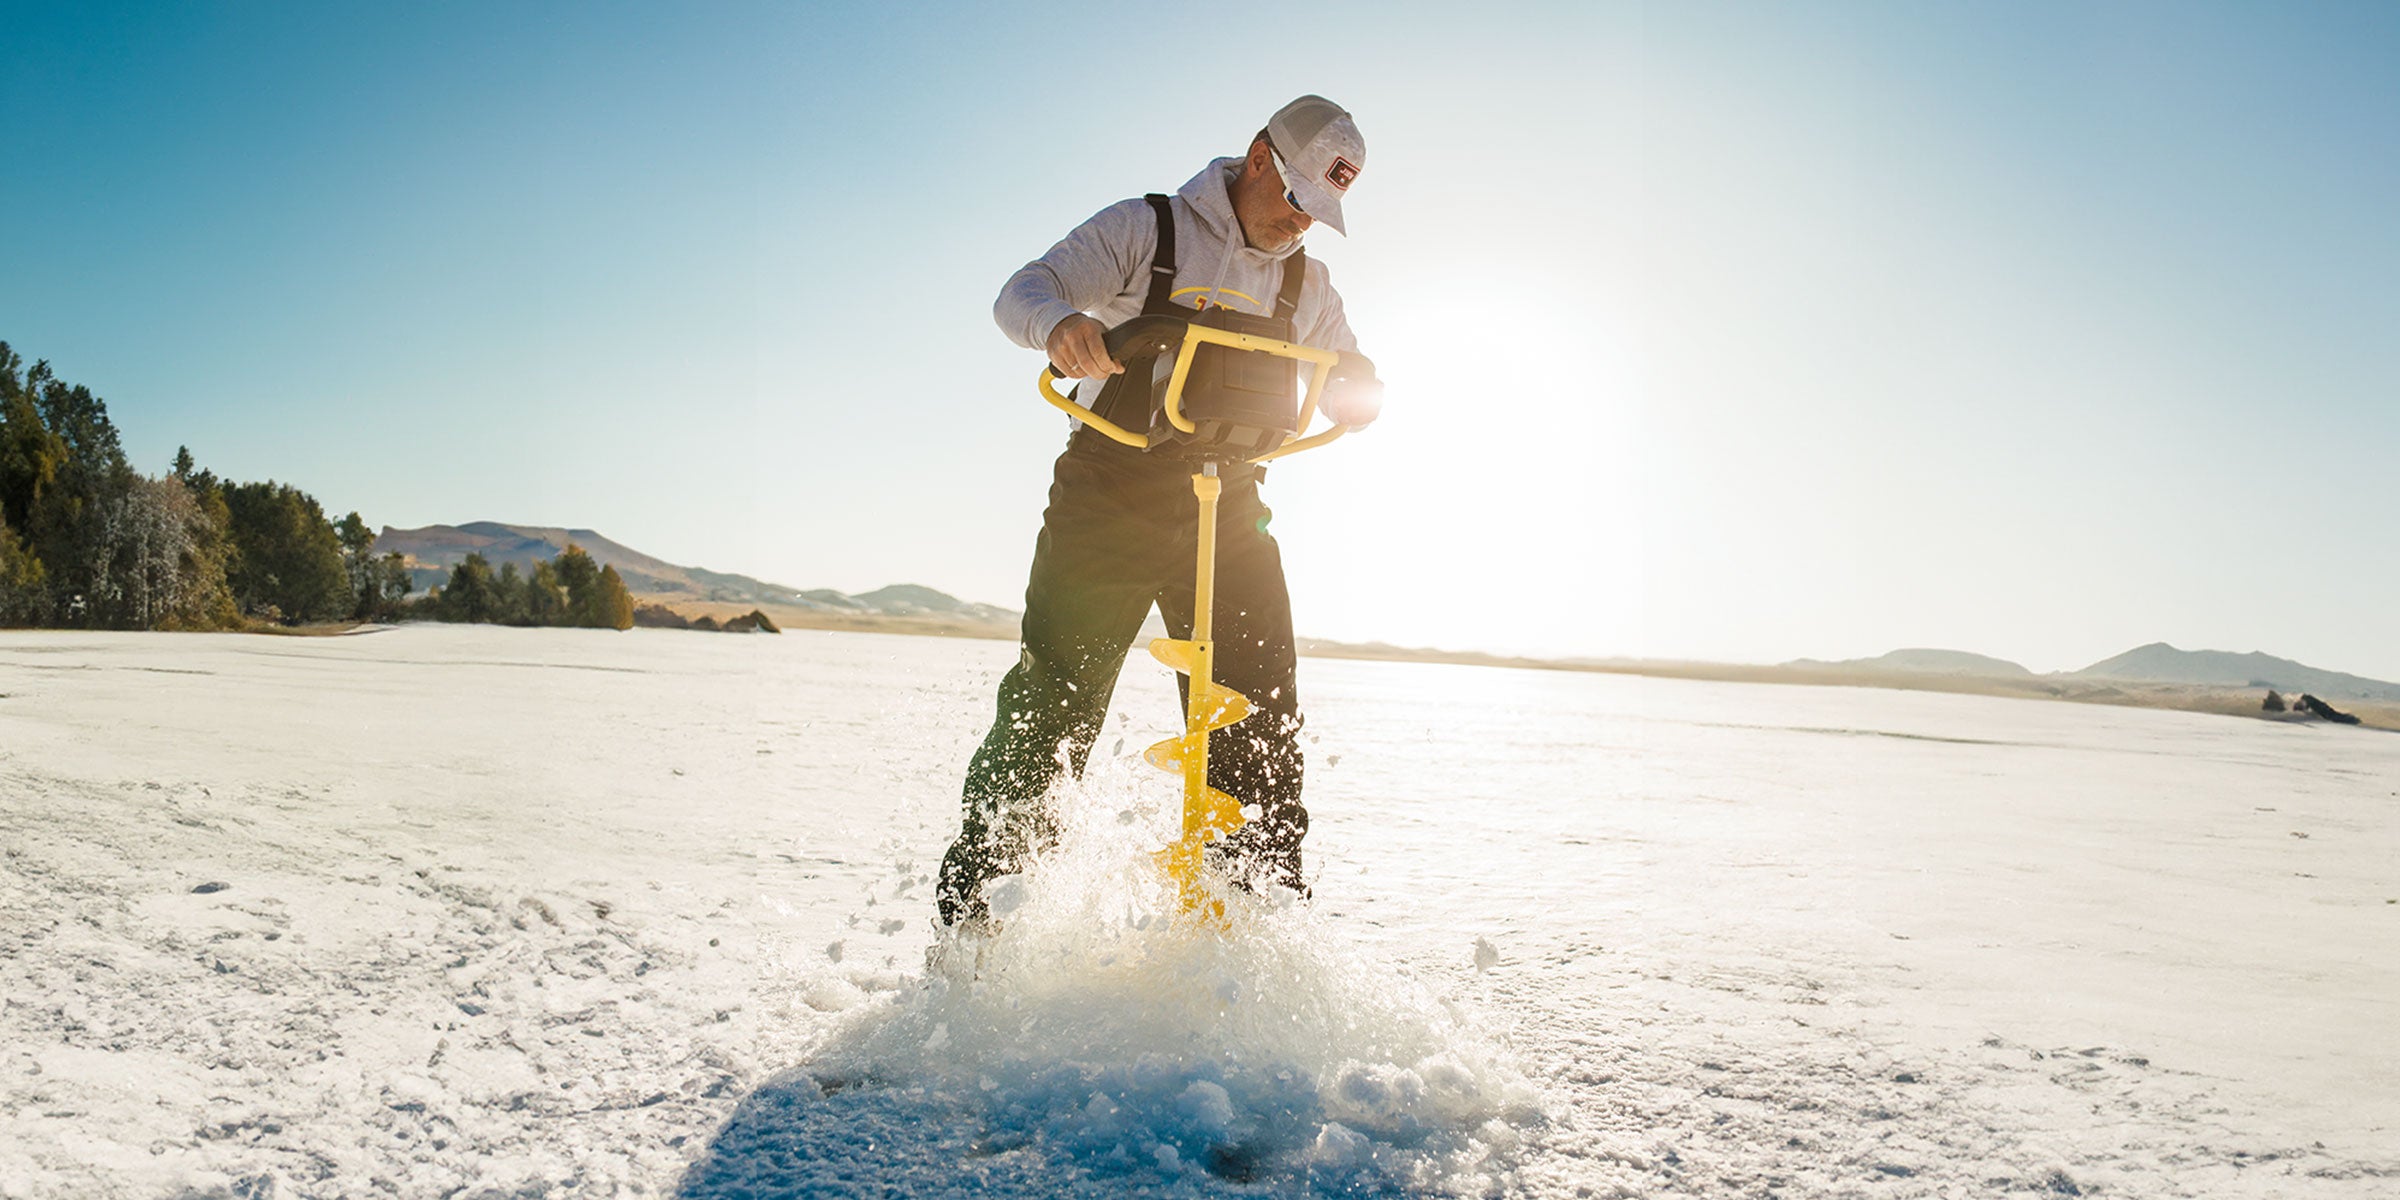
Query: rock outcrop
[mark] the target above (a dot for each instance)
(2318, 708)
(658, 616)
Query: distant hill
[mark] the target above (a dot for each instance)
(431, 551)
(1925, 662)
(434, 549)
(909, 599)
(2159, 662)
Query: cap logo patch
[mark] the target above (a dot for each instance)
(1340, 174)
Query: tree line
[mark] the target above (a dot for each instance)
(567, 590)
(89, 542)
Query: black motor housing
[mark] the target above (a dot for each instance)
(1243, 402)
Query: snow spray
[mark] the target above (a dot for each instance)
(1105, 1040)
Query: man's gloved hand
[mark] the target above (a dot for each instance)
(1353, 396)
(1077, 351)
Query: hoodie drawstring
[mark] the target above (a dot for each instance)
(1216, 285)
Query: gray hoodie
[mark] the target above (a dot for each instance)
(1102, 267)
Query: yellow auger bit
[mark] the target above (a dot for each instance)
(1208, 814)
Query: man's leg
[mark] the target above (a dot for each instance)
(1257, 759)
(1094, 572)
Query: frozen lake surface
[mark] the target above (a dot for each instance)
(486, 912)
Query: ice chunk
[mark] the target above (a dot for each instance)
(1208, 1107)
(1005, 894)
(1487, 955)
(1375, 1095)
(1338, 1145)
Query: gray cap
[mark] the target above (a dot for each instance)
(1323, 153)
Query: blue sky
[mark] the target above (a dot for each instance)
(1721, 331)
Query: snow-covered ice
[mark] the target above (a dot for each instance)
(474, 912)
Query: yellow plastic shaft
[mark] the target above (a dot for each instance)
(1207, 487)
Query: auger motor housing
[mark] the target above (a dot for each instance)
(1243, 403)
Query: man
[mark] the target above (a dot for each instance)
(1119, 534)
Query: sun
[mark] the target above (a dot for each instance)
(1496, 502)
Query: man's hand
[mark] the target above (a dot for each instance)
(1353, 396)
(1077, 351)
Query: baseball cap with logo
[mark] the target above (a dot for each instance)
(1322, 154)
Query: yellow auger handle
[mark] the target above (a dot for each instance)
(1067, 405)
(1297, 445)
(1140, 337)
(1149, 336)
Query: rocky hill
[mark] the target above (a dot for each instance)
(2159, 662)
(1926, 662)
(431, 551)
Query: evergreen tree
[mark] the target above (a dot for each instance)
(287, 560)
(393, 585)
(508, 596)
(468, 596)
(358, 565)
(74, 413)
(204, 600)
(615, 603)
(24, 590)
(31, 456)
(545, 599)
(85, 521)
(580, 576)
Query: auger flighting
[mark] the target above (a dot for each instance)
(1230, 398)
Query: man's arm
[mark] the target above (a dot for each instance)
(1096, 262)
(1353, 395)
(1330, 329)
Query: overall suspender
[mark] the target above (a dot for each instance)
(1162, 262)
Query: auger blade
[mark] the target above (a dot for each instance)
(1181, 863)
(1220, 706)
(1172, 753)
(1169, 755)
(1181, 860)
(1220, 814)
(1182, 655)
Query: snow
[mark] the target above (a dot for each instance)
(561, 912)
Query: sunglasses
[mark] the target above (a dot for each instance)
(1284, 176)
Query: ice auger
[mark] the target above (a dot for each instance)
(1227, 400)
